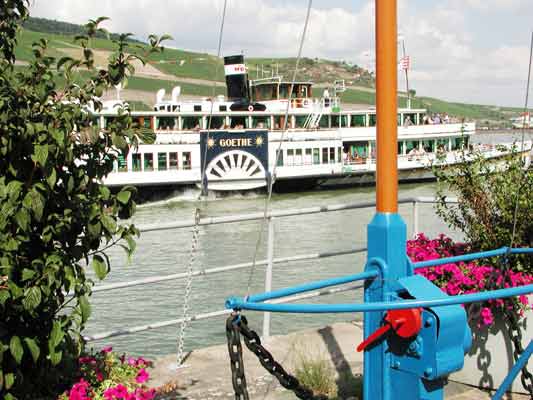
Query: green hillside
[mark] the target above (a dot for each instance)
(187, 64)
(45, 25)
(153, 85)
(477, 112)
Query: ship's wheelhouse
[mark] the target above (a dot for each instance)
(275, 89)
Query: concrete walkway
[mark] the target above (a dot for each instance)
(206, 375)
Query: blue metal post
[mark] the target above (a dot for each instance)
(520, 363)
(386, 240)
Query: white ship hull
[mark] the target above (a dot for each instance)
(308, 157)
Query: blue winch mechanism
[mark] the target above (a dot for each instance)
(415, 335)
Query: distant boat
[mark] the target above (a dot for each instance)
(523, 121)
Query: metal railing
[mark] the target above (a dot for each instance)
(269, 262)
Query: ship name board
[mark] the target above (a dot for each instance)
(241, 142)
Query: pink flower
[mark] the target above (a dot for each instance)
(142, 376)
(467, 277)
(80, 391)
(141, 394)
(87, 360)
(116, 393)
(486, 316)
(106, 350)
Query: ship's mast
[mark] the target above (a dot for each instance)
(386, 107)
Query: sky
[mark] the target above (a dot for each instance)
(461, 50)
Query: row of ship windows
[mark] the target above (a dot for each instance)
(360, 151)
(352, 151)
(152, 161)
(262, 122)
(310, 156)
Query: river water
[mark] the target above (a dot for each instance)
(168, 252)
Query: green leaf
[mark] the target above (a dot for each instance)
(4, 295)
(62, 61)
(9, 396)
(32, 298)
(131, 243)
(109, 223)
(55, 357)
(99, 266)
(9, 381)
(32, 345)
(94, 230)
(23, 219)
(16, 349)
(146, 135)
(119, 141)
(33, 201)
(85, 308)
(52, 178)
(105, 192)
(40, 154)
(124, 196)
(56, 336)
(27, 274)
(13, 189)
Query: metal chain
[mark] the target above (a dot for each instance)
(514, 329)
(203, 193)
(235, 356)
(515, 332)
(188, 285)
(237, 325)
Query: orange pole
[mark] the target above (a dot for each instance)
(386, 107)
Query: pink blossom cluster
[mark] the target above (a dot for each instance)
(105, 376)
(81, 391)
(120, 392)
(464, 278)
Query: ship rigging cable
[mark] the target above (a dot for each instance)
(523, 139)
(197, 211)
(272, 177)
(515, 331)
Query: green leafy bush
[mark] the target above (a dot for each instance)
(56, 216)
(488, 191)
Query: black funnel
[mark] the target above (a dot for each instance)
(236, 78)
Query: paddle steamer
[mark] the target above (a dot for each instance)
(234, 140)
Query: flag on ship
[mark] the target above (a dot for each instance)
(405, 62)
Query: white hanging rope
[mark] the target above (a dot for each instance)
(278, 151)
(515, 217)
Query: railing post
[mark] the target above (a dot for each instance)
(268, 274)
(415, 218)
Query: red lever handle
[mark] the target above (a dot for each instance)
(373, 337)
(404, 323)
